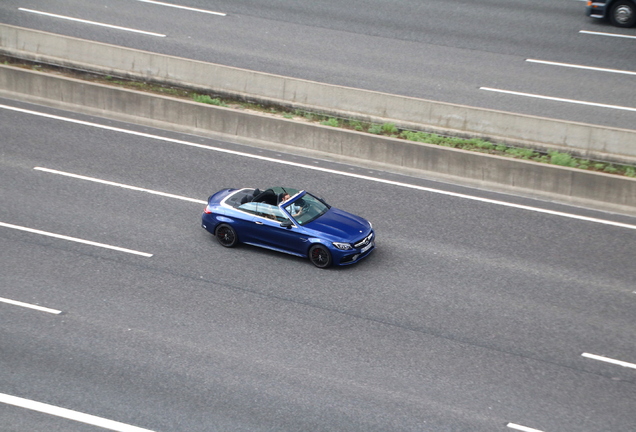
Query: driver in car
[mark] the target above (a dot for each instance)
(294, 209)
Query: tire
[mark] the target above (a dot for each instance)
(226, 235)
(623, 13)
(320, 256)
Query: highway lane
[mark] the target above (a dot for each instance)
(447, 51)
(468, 316)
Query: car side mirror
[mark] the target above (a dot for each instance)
(286, 223)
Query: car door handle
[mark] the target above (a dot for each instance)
(258, 222)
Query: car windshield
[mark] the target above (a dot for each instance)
(306, 208)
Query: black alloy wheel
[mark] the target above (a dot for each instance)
(320, 256)
(623, 13)
(226, 235)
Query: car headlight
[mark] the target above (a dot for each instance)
(342, 246)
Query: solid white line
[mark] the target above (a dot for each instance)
(30, 306)
(522, 428)
(69, 414)
(91, 22)
(124, 186)
(183, 7)
(74, 239)
(558, 99)
(326, 170)
(609, 360)
(598, 69)
(607, 34)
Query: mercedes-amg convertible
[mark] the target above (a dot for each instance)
(290, 221)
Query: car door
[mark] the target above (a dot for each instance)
(269, 232)
(244, 223)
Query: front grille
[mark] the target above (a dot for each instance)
(365, 241)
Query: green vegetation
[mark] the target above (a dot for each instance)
(208, 100)
(375, 129)
(389, 129)
(385, 129)
(330, 122)
(358, 126)
(562, 159)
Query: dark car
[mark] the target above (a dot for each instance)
(621, 13)
(291, 221)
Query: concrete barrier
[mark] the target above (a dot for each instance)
(573, 186)
(588, 141)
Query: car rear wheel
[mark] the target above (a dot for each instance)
(320, 256)
(226, 235)
(623, 13)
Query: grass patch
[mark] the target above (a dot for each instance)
(389, 129)
(562, 159)
(521, 153)
(375, 129)
(358, 126)
(333, 122)
(208, 100)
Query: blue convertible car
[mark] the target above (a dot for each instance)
(291, 221)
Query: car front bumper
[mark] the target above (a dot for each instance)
(595, 9)
(352, 256)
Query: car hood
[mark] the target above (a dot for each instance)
(343, 226)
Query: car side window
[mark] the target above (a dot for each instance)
(263, 210)
(249, 207)
(270, 212)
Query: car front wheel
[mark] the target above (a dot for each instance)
(623, 14)
(320, 256)
(226, 235)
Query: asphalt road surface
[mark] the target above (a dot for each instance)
(477, 312)
(543, 58)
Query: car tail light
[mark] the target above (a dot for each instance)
(207, 210)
